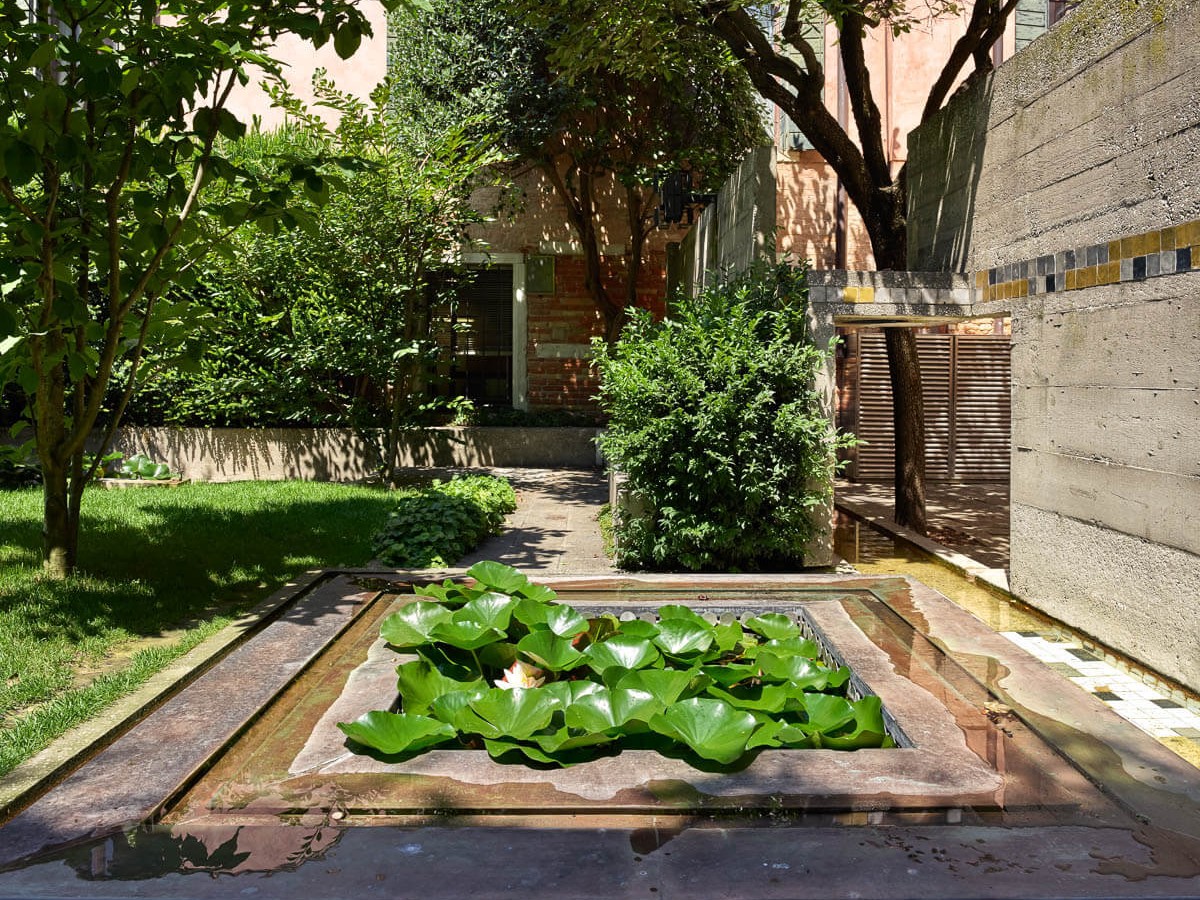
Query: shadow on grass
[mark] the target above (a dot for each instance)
(152, 559)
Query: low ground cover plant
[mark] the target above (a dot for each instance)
(715, 419)
(502, 665)
(436, 525)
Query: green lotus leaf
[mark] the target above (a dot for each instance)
(797, 670)
(602, 627)
(666, 685)
(767, 733)
(467, 634)
(497, 748)
(712, 729)
(731, 673)
(796, 646)
(683, 637)
(453, 595)
(837, 678)
(793, 737)
(610, 709)
(639, 628)
(563, 740)
(498, 577)
(447, 707)
(396, 732)
(549, 651)
(869, 729)
(411, 624)
(494, 610)
(564, 621)
(420, 683)
(676, 611)
(726, 636)
(499, 655)
(538, 592)
(623, 651)
(774, 626)
(826, 713)
(516, 713)
(768, 698)
(567, 692)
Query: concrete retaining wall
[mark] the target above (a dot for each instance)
(1067, 185)
(336, 454)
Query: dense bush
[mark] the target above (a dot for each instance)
(435, 526)
(714, 418)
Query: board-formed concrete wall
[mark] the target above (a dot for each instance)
(338, 454)
(1067, 186)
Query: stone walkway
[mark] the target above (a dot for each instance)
(554, 530)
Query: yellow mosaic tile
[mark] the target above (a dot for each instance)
(1087, 277)
(858, 295)
(1167, 238)
(981, 279)
(1109, 273)
(1072, 279)
(1129, 247)
(1023, 287)
(1151, 242)
(1114, 250)
(1190, 234)
(1185, 748)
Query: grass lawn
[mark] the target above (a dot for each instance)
(161, 570)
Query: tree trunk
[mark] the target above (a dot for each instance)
(908, 417)
(60, 532)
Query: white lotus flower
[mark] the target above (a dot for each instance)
(521, 675)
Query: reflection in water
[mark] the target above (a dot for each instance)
(145, 853)
(875, 553)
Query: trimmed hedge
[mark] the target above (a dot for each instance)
(435, 526)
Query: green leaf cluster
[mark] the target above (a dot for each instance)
(435, 526)
(715, 419)
(502, 665)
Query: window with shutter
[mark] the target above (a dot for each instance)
(1031, 19)
(813, 34)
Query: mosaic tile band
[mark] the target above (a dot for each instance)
(1162, 252)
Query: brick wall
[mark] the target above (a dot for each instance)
(562, 325)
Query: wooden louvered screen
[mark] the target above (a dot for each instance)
(967, 408)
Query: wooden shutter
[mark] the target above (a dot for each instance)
(966, 381)
(1030, 21)
(813, 34)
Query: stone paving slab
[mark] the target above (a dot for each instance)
(554, 529)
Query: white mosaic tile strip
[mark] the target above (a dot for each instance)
(1153, 711)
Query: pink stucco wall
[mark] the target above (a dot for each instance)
(357, 75)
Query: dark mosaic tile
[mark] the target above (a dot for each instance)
(1167, 704)
(1079, 653)
(1043, 263)
(993, 276)
(1032, 281)
(1068, 671)
(1023, 269)
(1152, 267)
(1183, 259)
(1060, 262)
(1093, 255)
(1101, 254)
(1069, 260)
(1052, 282)
(1107, 695)
(1139, 268)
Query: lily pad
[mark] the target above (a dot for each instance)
(567, 692)
(623, 651)
(558, 618)
(516, 713)
(498, 577)
(683, 637)
(411, 624)
(392, 733)
(826, 713)
(774, 626)
(610, 709)
(639, 628)
(467, 634)
(712, 729)
(549, 651)
(797, 670)
(665, 684)
(420, 683)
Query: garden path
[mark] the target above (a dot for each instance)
(554, 530)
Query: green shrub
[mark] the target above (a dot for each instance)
(714, 418)
(434, 526)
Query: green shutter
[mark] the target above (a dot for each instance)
(1031, 20)
(813, 34)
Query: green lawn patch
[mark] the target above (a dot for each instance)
(170, 564)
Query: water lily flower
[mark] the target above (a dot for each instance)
(521, 675)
